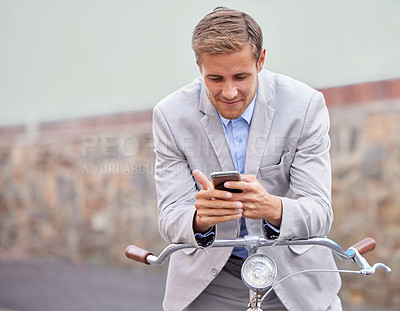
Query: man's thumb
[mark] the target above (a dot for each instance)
(202, 179)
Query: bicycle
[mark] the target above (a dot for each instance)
(259, 271)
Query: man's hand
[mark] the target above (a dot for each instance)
(257, 202)
(213, 206)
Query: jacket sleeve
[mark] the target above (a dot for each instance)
(175, 185)
(307, 210)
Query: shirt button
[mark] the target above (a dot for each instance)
(239, 139)
(214, 272)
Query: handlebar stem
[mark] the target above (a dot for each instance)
(252, 243)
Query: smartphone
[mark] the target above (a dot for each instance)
(219, 178)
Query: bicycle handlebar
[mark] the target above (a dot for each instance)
(144, 256)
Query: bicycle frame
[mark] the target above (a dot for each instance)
(253, 243)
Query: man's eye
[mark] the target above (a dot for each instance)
(215, 79)
(241, 77)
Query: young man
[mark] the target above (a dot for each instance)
(274, 131)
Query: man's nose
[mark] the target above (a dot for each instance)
(229, 91)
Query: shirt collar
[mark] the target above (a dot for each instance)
(247, 114)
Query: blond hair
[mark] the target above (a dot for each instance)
(225, 31)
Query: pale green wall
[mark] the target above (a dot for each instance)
(68, 58)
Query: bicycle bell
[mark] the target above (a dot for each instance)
(258, 272)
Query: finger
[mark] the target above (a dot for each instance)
(220, 212)
(248, 178)
(247, 183)
(202, 179)
(241, 185)
(220, 194)
(213, 194)
(213, 220)
(212, 206)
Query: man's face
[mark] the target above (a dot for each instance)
(231, 80)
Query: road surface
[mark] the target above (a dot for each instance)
(61, 285)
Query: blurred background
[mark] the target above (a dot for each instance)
(78, 81)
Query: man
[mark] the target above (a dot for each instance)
(274, 131)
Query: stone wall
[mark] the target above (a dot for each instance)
(84, 188)
(81, 188)
(366, 169)
(365, 152)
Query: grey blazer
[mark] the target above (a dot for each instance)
(288, 151)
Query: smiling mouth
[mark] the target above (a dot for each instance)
(230, 103)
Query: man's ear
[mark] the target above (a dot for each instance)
(261, 60)
(199, 65)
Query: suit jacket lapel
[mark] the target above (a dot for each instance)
(215, 132)
(260, 125)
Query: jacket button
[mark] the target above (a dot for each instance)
(214, 272)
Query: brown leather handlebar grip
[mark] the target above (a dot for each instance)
(365, 245)
(137, 254)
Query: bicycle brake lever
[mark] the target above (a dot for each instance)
(372, 270)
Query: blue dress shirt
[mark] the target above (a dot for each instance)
(237, 134)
